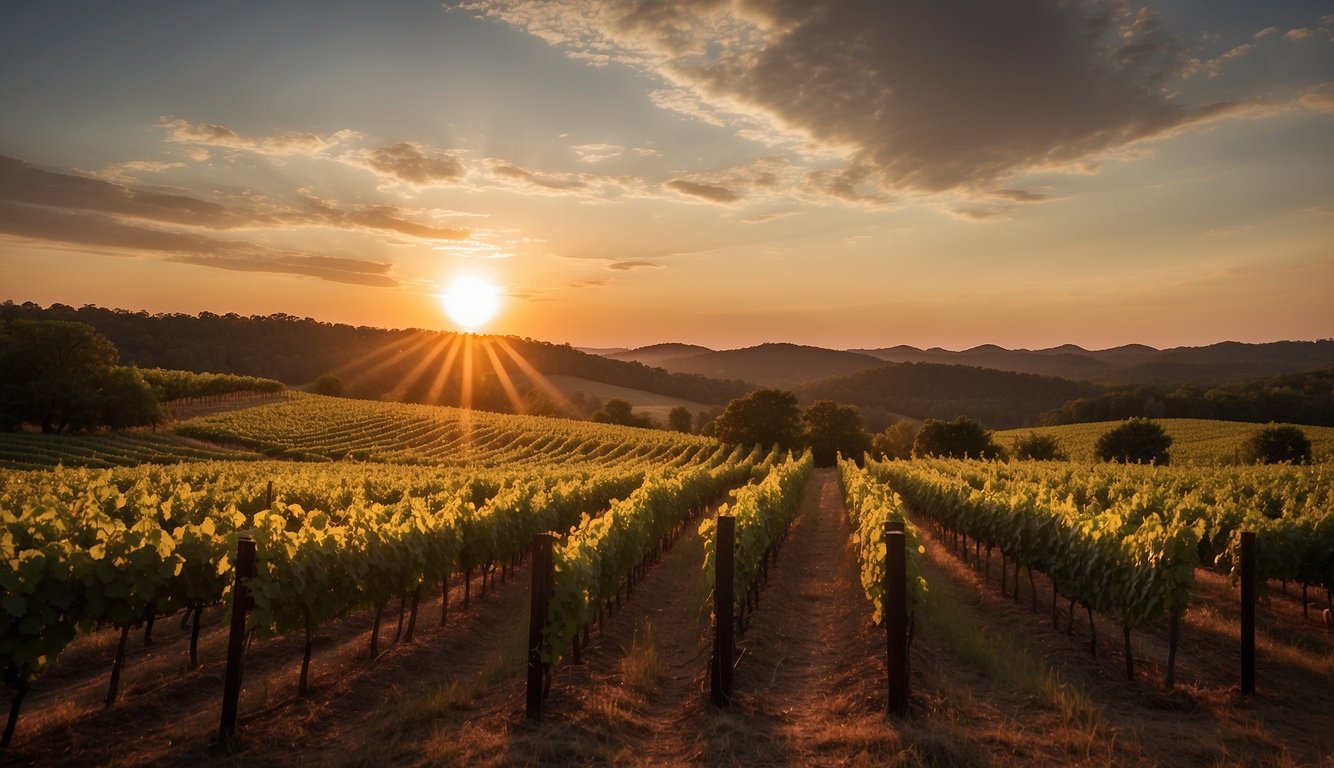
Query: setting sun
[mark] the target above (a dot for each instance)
(471, 301)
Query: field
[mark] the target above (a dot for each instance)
(392, 598)
(1194, 441)
(650, 403)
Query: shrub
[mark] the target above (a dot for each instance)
(1136, 441)
(1277, 445)
(963, 438)
(1035, 447)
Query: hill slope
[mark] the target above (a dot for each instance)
(774, 365)
(999, 399)
(374, 363)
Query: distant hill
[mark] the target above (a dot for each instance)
(374, 363)
(773, 365)
(999, 399)
(657, 354)
(1133, 364)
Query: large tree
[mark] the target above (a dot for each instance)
(765, 417)
(832, 429)
(63, 377)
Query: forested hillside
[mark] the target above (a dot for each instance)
(369, 362)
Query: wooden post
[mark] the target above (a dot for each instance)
(537, 621)
(1247, 613)
(231, 685)
(720, 677)
(896, 619)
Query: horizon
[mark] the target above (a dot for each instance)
(724, 174)
(611, 349)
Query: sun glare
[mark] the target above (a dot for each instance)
(471, 302)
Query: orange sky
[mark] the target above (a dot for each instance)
(717, 173)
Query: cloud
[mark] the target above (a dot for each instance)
(597, 153)
(1266, 32)
(925, 96)
(711, 192)
(557, 182)
(106, 232)
(208, 134)
(625, 266)
(24, 183)
(409, 162)
(731, 185)
(1215, 65)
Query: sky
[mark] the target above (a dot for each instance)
(843, 173)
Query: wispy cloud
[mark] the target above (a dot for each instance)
(625, 266)
(131, 238)
(181, 131)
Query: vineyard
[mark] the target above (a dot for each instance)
(425, 580)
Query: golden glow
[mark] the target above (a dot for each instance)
(471, 302)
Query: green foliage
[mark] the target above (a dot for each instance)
(679, 419)
(762, 510)
(765, 417)
(618, 411)
(1136, 441)
(1277, 444)
(833, 429)
(179, 385)
(871, 504)
(52, 373)
(1194, 441)
(1035, 447)
(896, 441)
(962, 438)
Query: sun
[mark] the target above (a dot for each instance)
(471, 301)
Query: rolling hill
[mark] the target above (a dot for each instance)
(999, 399)
(773, 365)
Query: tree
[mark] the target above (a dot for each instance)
(51, 374)
(1035, 447)
(765, 417)
(896, 441)
(618, 411)
(327, 384)
(832, 429)
(963, 438)
(1277, 445)
(127, 400)
(679, 419)
(1136, 441)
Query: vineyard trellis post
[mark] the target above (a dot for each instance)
(231, 687)
(1247, 612)
(896, 616)
(720, 677)
(537, 621)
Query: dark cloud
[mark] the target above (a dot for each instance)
(24, 183)
(711, 192)
(628, 265)
(1019, 195)
(926, 95)
(413, 163)
(103, 231)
